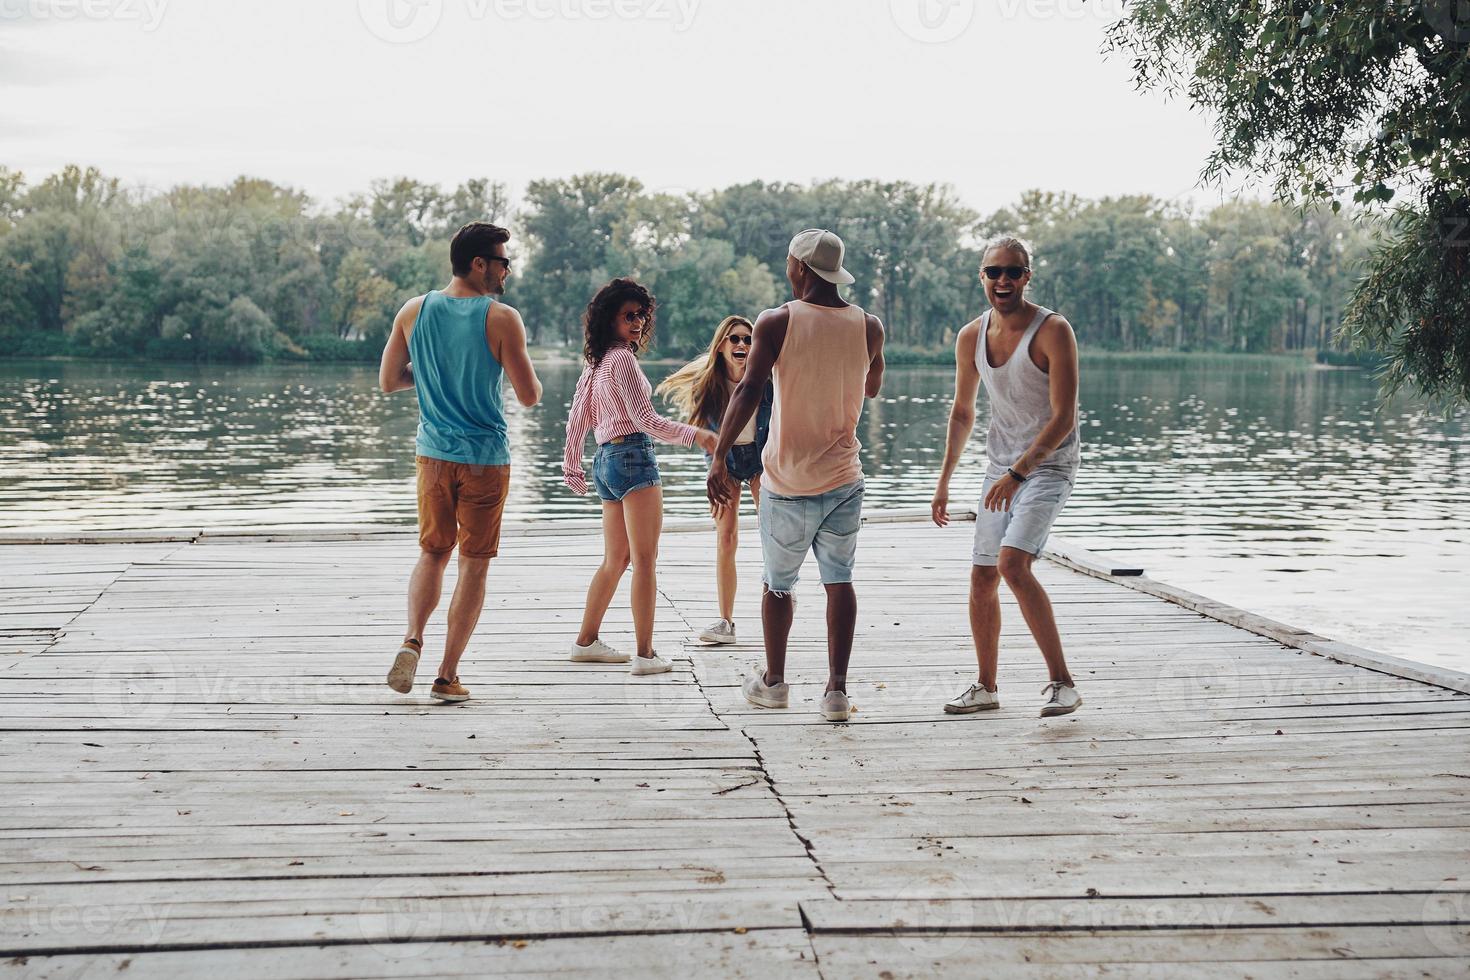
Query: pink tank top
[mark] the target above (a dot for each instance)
(819, 378)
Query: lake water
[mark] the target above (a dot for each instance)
(1264, 483)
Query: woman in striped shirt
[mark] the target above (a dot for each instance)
(613, 400)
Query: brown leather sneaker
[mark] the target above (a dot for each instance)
(451, 691)
(400, 677)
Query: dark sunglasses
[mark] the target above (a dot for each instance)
(499, 258)
(739, 339)
(639, 317)
(1011, 271)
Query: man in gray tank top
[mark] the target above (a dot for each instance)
(1026, 357)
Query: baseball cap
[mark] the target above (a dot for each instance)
(822, 251)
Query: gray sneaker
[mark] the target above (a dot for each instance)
(720, 631)
(764, 695)
(836, 706)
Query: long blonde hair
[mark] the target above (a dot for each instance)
(700, 390)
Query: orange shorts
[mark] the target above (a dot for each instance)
(461, 503)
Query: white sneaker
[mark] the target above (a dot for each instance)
(764, 695)
(836, 706)
(720, 631)
(1062, 699)
(650, 665)
(597, 652)
(973, 700)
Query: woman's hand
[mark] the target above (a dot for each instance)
(706, 440)
(576, 482)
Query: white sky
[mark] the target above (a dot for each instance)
(992, 96)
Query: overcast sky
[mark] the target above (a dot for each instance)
(992, 96)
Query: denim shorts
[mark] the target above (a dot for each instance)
(1027, 524)
(619, 468)
(744, 462)
(826, 523)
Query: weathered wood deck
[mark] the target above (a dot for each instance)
(203, 775)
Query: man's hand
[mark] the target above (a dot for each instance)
(1002, 492)
(718, 485)
(939, 506)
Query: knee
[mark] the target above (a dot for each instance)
(644, 559)
(728, 539)
(436, 559)
(616, 562)
(984, 579)
(473, 568)
(1015, 566)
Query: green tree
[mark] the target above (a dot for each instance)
(1304, 92)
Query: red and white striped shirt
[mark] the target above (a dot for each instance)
(614, 399)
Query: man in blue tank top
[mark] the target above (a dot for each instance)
(453, 347)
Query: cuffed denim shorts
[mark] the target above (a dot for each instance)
(1027, 524)
(826, 524)
(619, 468)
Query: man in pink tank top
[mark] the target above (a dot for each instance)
(825, 356)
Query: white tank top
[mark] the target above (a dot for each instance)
(1020, 405)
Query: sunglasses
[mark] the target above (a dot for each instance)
(994, 272)
(640, 317)
(739, 339)
(499, 258)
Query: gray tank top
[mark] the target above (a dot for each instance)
(1020, 405)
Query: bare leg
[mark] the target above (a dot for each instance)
(727, 540)
(841, 622)
(776, 610)
(605, 580)
(643, 513)
(985, 620)
(424, 589)
(464, 612)
(1015, 568)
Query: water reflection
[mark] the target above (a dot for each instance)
(1260, 482)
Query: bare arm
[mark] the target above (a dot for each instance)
(874, 382)
(1058, 344)
(961, 416)
(765, 347)
(394, 372)
(506, 334)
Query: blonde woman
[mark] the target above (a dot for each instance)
(700, 391)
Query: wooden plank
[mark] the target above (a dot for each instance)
(208, 765)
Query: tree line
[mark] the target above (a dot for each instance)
(255, 270)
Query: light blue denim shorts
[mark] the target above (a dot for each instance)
(619, 468)
(1027, 524)
(826, 524)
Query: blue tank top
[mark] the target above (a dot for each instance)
(461, 416)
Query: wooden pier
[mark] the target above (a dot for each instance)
(204, 776)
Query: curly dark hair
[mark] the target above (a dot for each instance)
(599, 325)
